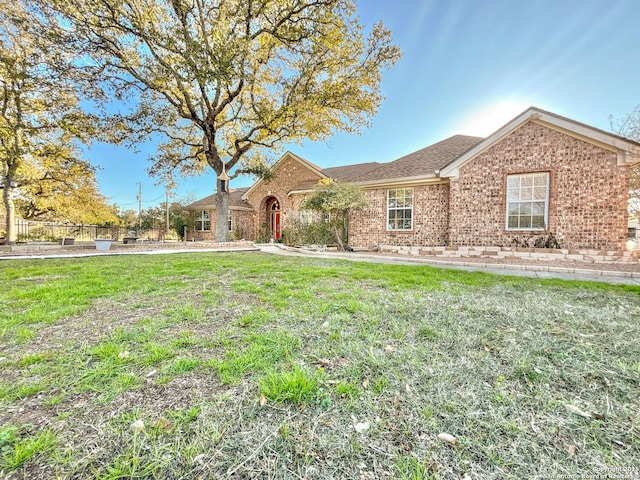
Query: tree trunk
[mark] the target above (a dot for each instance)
(10, 209)
(222, 213)
(338, 235)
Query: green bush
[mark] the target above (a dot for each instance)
(39, 233)
(177, 225)
(264, 235)
(236, 234)
(315, 233)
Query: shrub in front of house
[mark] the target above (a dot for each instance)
(314, 233)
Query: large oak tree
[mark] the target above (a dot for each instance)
(41, 122)
(227, 81)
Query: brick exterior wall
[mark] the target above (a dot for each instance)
(242, 222)
(289, 173)
(587, 191)
(368, 228)
(588, 195)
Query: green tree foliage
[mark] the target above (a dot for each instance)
(228, 81)
(336, 200)
(629, 127)
(128, 219)
(155, 218)
(179, 218)
(40, 124)
(61, 189)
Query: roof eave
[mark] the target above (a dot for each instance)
(193, 208)
(299, 192)
(628, 152)
(628, 159)
(400, 181)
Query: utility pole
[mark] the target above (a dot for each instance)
(166, 226)
(139, 206)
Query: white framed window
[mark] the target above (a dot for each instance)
(203, 223)
(230, 220)
(306, 217)
(400, 209)
(528, 201)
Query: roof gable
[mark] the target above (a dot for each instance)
(628, 151)
(287, 155)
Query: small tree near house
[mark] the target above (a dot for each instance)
(336, 200)
(629, 127)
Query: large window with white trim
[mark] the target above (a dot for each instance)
(307, 217)
(528, 201)
(203, 223)
(400, 209)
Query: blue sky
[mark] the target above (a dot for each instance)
(468, 67)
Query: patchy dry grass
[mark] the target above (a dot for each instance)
(250, 366)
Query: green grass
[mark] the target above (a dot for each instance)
(255, 352)
(18, 447)
(246, 365)
(296, 385)
(410, 468)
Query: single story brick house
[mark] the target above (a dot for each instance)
(539, 173)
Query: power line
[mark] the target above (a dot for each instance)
(136, 202)
(154, 200)
(139, 204)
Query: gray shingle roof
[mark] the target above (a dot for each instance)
(347, 173)
(235, 200)
(423, 162)
(344, 173)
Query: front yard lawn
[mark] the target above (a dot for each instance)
(251, 366)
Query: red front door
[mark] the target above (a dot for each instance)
(275, 225)
(273, 214)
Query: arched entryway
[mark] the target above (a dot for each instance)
(273, 217)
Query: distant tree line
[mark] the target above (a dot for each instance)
(155, 218)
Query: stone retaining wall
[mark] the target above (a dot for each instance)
(535, 254)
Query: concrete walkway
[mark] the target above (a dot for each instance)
(521, 270)
(149, 251)
(534, 271)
